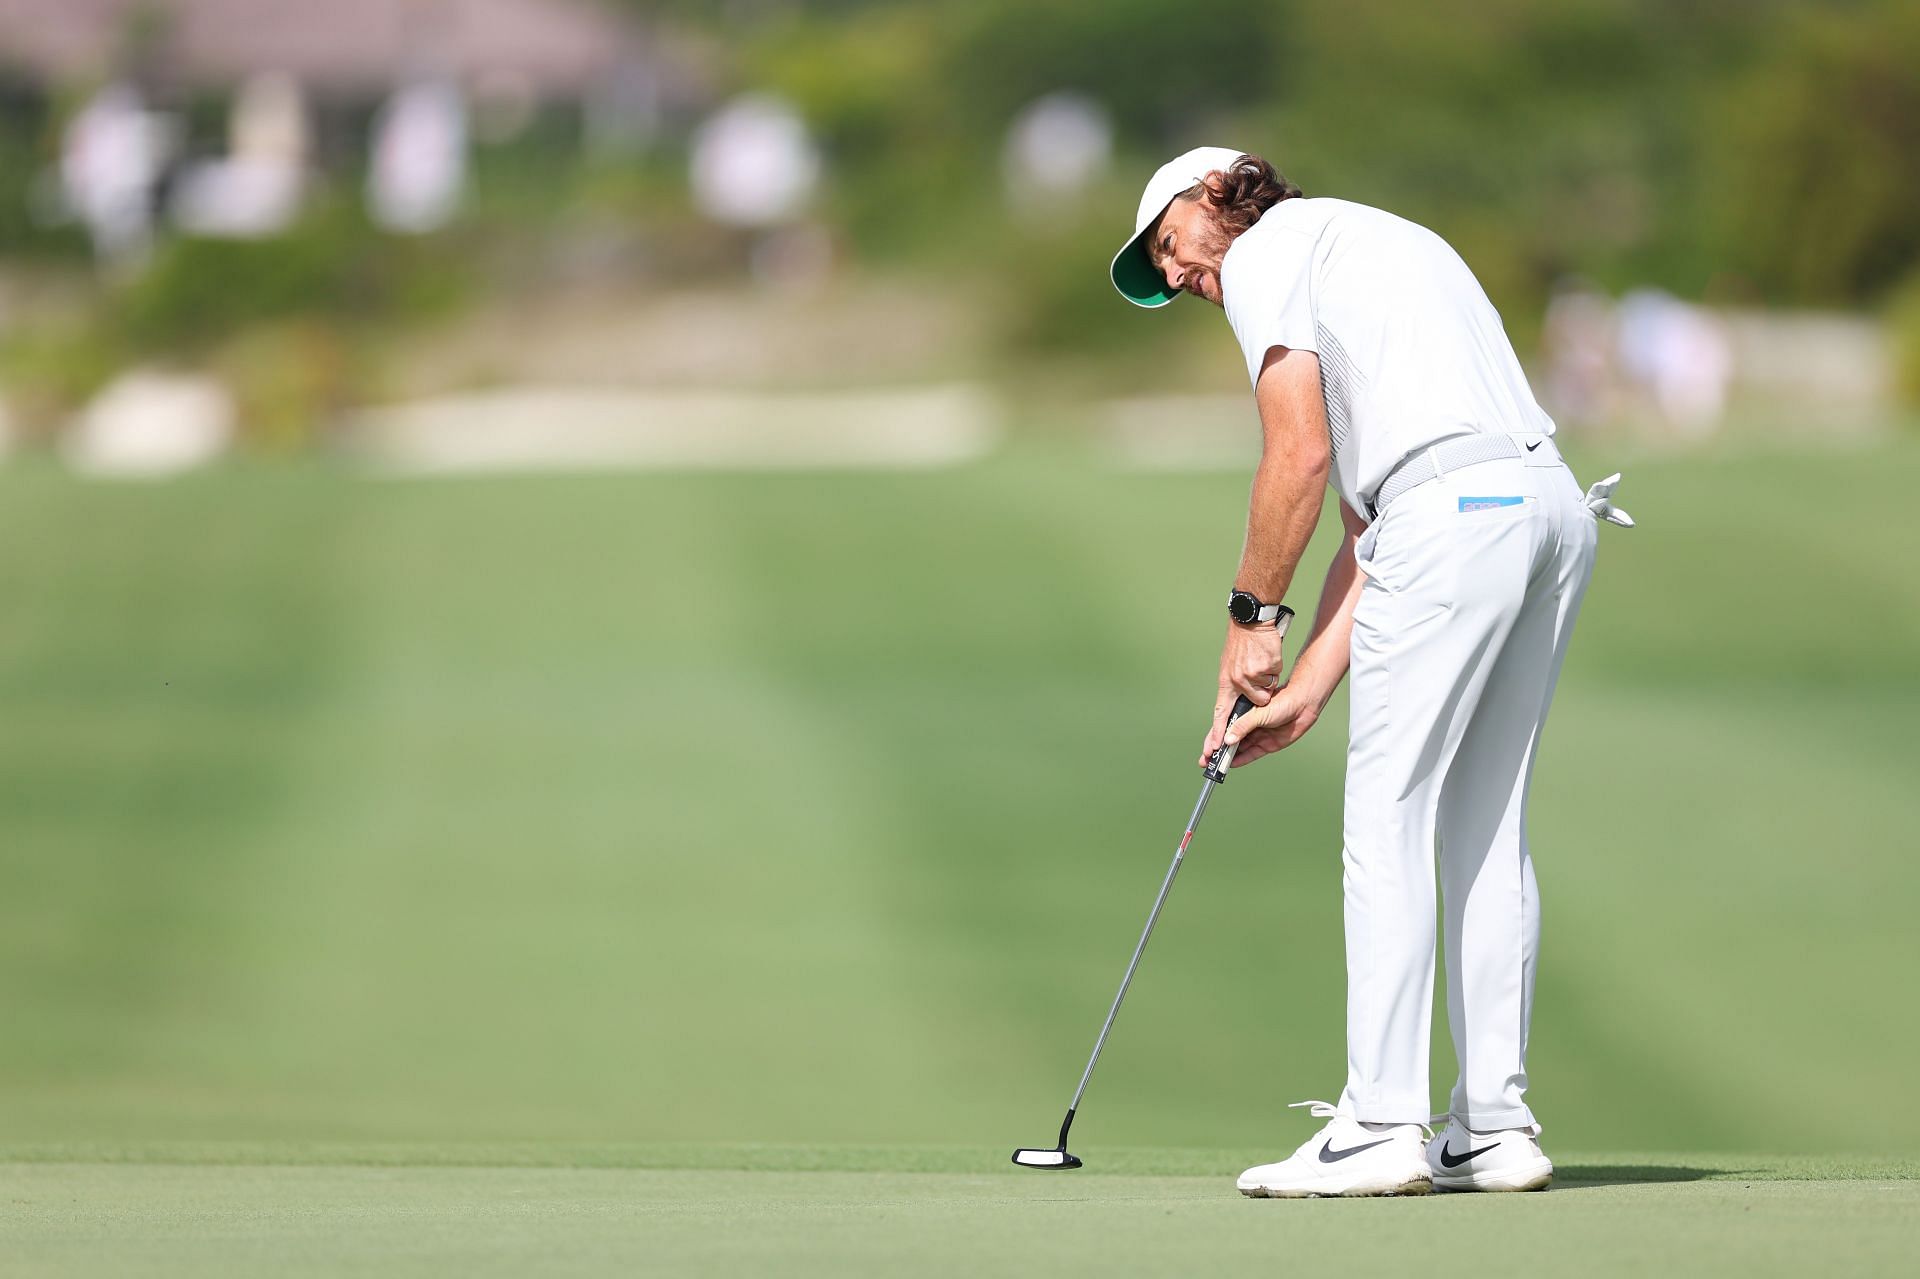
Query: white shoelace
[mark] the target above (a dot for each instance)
(1327, 1110)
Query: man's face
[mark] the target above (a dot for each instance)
(1187, 245)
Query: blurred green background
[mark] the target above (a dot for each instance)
(618, 785)
(776, 809)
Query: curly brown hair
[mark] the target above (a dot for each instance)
(1241, 192)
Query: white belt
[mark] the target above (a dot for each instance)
(1431, 463)
(1466, 450)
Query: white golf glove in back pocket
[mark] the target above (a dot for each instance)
(1599, 501)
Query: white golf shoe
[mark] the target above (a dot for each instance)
(1346, 1158)
(1510, 1159)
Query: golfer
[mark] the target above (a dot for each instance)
(1380, 367)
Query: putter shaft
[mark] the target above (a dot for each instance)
(1215, 773)
(1222, 760)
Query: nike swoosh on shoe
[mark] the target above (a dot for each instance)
(1450, 1160)
(1328, 1155)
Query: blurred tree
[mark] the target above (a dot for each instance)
(200, 291)
(913, 102)
(1544, 137)
(28, 154)
(1163, 68)
(1818, 164)
(1692, 144)
(1903, 325)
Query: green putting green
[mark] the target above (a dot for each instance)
(833, 1212)
(809, 809)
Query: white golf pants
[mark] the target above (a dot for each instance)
(1473, 583)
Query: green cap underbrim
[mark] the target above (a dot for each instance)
(1135, 275)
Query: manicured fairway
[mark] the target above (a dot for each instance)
(1692, 1215)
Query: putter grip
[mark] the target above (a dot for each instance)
(1216, 769)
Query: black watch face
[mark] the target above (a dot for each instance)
(1242, 607)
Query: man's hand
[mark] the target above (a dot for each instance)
(1275, 726)
(1250, 663)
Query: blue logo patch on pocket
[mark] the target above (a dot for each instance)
(1487, 503)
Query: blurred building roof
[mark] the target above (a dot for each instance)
(559, 46)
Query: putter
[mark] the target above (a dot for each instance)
(1216, 774)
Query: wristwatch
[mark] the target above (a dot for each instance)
(1245, 608)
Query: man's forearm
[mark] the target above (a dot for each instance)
(1281, 515)
(1323, 662)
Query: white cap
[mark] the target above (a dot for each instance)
(1133, 271)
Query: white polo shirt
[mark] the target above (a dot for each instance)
(1411, 351)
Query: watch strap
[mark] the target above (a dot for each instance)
(1263, 614)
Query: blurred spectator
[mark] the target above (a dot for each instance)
(419, 166)
(255, 189)
(111, 158)
(1058, 146)
(1677, 357)
(1578, 345)
(754, 163)
(755, 166)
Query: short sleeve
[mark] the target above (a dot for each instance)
(1266, 283)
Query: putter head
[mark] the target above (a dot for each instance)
(1058, 1160)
